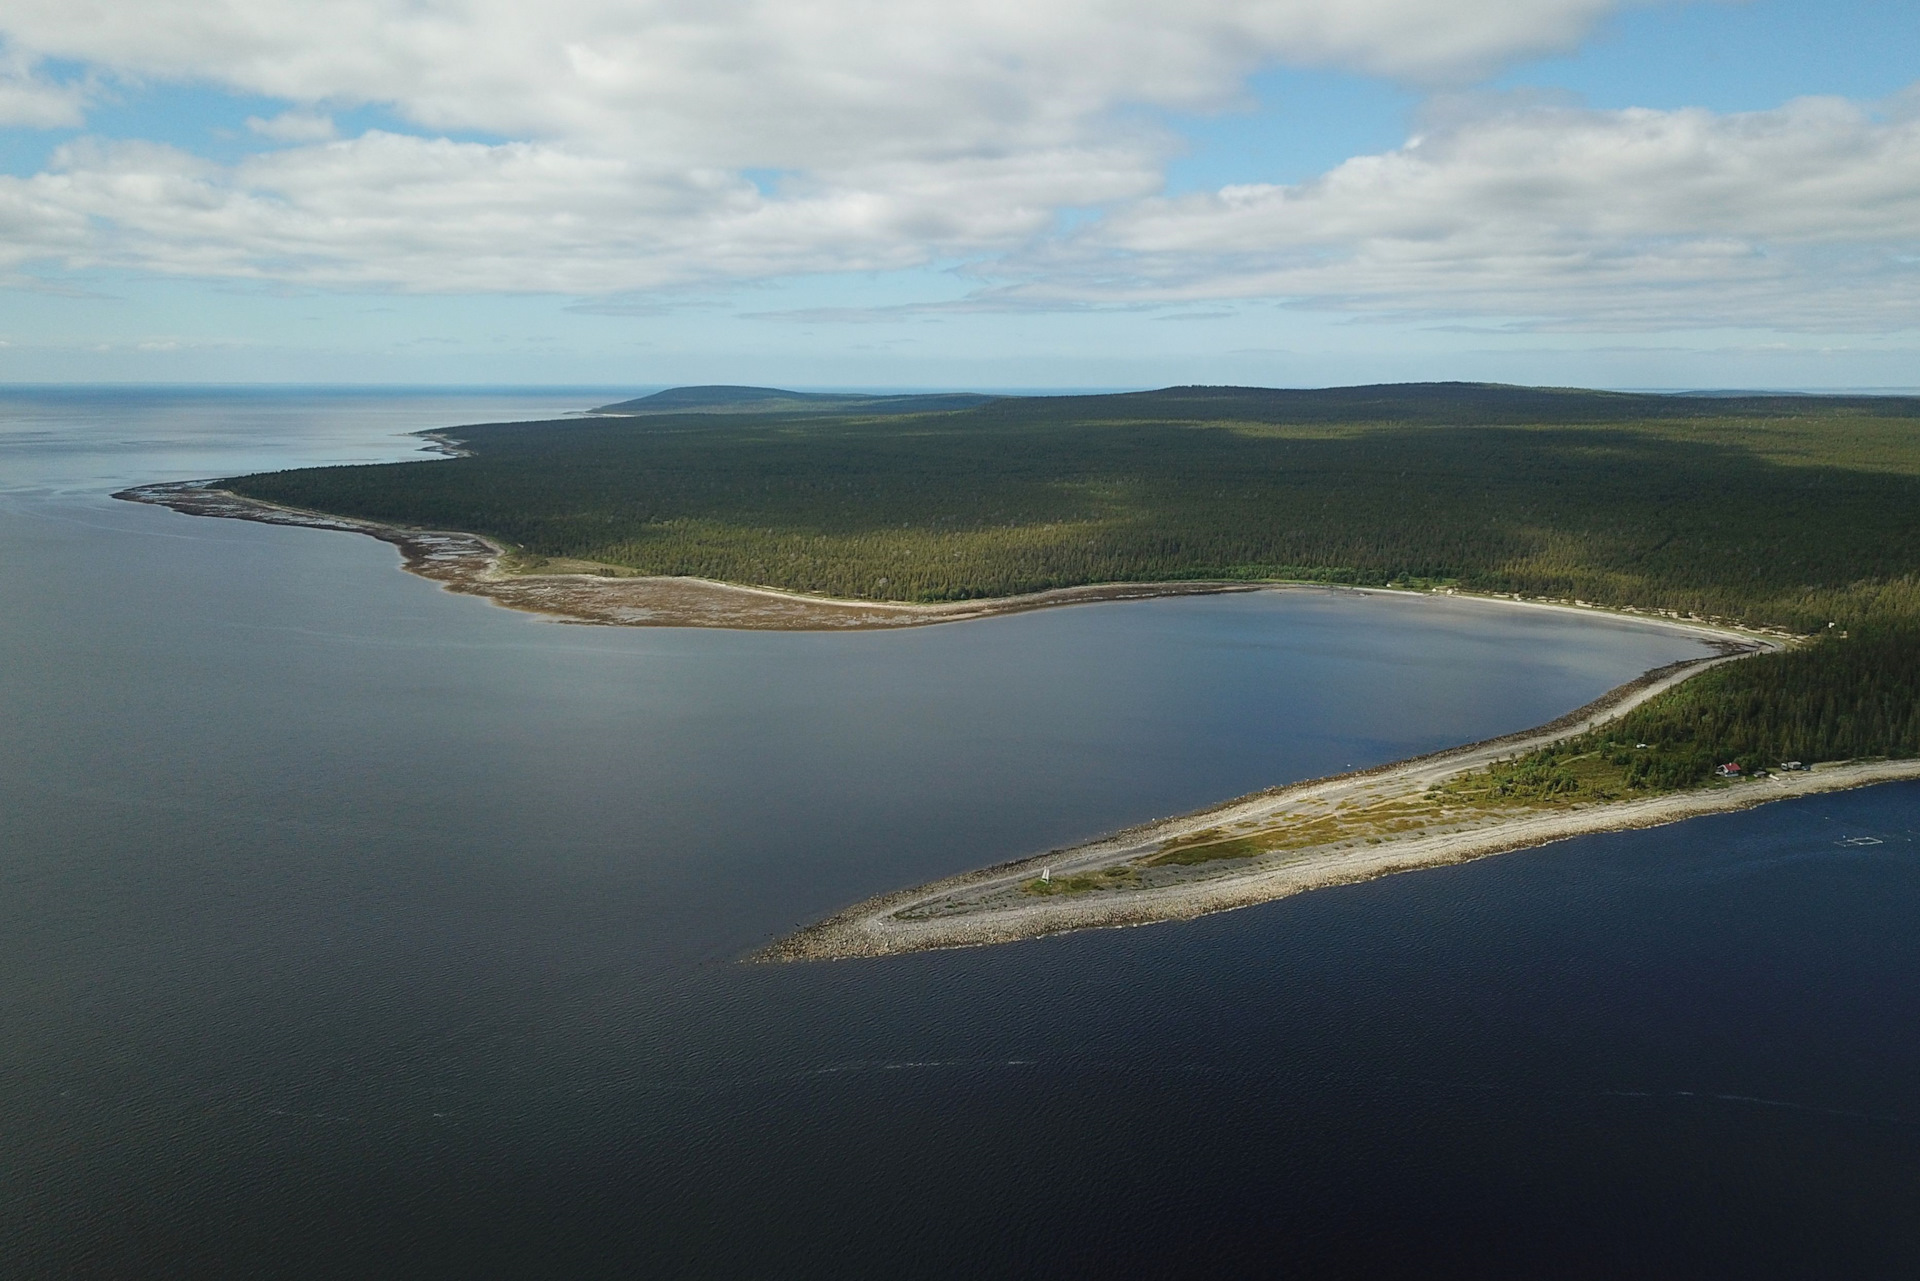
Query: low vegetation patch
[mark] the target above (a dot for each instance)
(1377, 823)
(1119, 877)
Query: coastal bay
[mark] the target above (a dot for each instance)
(1243, 851)
(1253, 849)
(842, 641)
(352, 924)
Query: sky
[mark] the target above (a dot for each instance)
(992, 194)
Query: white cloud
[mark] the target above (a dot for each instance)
(30, 100)
(1807, 217)
(758, 82)
(1802, 217)
(910, 132)
(430, 214)
(293, 126)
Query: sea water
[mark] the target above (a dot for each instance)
(349, 927)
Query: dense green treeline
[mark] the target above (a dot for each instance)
(1831, 700)
(1836, 699)
(1798, 515)
(1443, 404)
(1793, 512)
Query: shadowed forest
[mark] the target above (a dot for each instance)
(1793, 512)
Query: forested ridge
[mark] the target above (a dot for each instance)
(1790, 512)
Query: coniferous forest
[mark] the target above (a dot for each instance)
(1792, 512)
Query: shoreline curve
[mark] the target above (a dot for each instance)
(472, 565)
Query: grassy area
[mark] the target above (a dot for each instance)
(1119, 877)
(1372, 824)
(1351, 825)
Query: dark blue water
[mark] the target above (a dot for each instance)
(351, 928)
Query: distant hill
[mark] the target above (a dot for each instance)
(1448, 403)
(1453, 403)
(773, 400)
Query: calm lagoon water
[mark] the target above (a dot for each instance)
(352, 928)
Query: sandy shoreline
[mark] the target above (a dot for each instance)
(875, 928)
(472, 565)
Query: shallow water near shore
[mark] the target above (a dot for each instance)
(349, 927)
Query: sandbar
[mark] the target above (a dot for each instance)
(1357, 826)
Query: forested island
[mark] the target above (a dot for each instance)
(1793, 516)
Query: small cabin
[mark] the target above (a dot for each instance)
(1730, 770)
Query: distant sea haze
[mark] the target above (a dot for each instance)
(352, 927)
